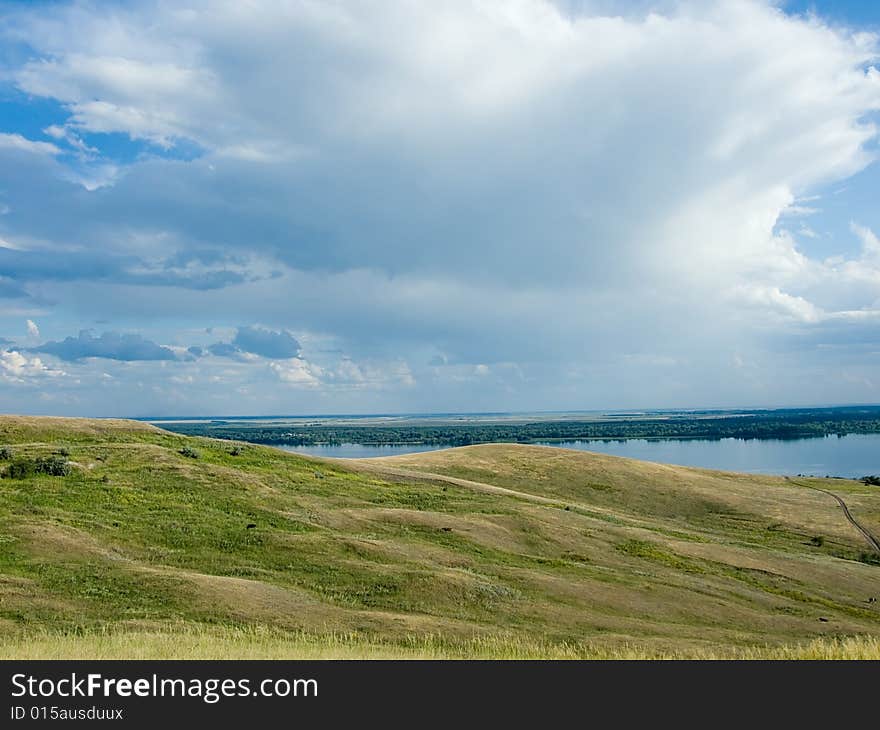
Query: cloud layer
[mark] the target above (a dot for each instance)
(446, 206)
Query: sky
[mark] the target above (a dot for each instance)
(301, 207)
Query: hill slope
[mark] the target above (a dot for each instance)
(507, 550)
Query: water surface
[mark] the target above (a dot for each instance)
(854, 455)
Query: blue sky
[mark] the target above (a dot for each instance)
(856, 13)
(365, 207)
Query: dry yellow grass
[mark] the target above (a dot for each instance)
(620, 485)
(199, 643)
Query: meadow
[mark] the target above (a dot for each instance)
(152, 544)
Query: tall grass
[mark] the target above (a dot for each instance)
(196, 642)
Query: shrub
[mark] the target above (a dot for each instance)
(189, 452)
(21, 469)
(817, 540)
(53, 466)
(236, 451)
(5, 453)
(872, 480)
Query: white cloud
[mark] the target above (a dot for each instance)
(807, 232)
(297, 372)
(67, 135)
(18, 368)
(870, 242)
(771, 300)
(796, 209)
(502, 182)
(32, 329)
(345, 375)
(20, 143)
(119, 93)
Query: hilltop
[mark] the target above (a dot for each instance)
(158, 544)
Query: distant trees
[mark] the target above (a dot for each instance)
(782, 424)
(872, 480)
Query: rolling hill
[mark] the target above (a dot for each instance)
(156, 544)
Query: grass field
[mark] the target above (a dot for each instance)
(488, 552)
(199, 642)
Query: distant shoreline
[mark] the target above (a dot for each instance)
(780, 424)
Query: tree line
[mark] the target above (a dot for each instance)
(782, 424)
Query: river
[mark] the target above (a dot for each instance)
(854, 455)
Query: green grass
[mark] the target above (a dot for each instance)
(577, 554)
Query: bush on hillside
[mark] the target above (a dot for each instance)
(21, 469)
(55, 466)
(189, 452)
(872, 480)
(5, 453)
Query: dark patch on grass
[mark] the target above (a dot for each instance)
(654, 553)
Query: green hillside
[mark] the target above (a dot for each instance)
(156, 544)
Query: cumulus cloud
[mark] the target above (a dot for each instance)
(256, 341)
(266, 342)
(297, 372)
(224, 349)
(371, 375)
(553, 186)
(344, 375)
(771, 299)
(18, 368)
(110, 345)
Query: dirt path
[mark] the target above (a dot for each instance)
(588, 510)
(366, 465)
(371, 466)
(872, 540)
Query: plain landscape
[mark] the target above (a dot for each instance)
(120, 539)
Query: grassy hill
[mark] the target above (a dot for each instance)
(156, 544)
